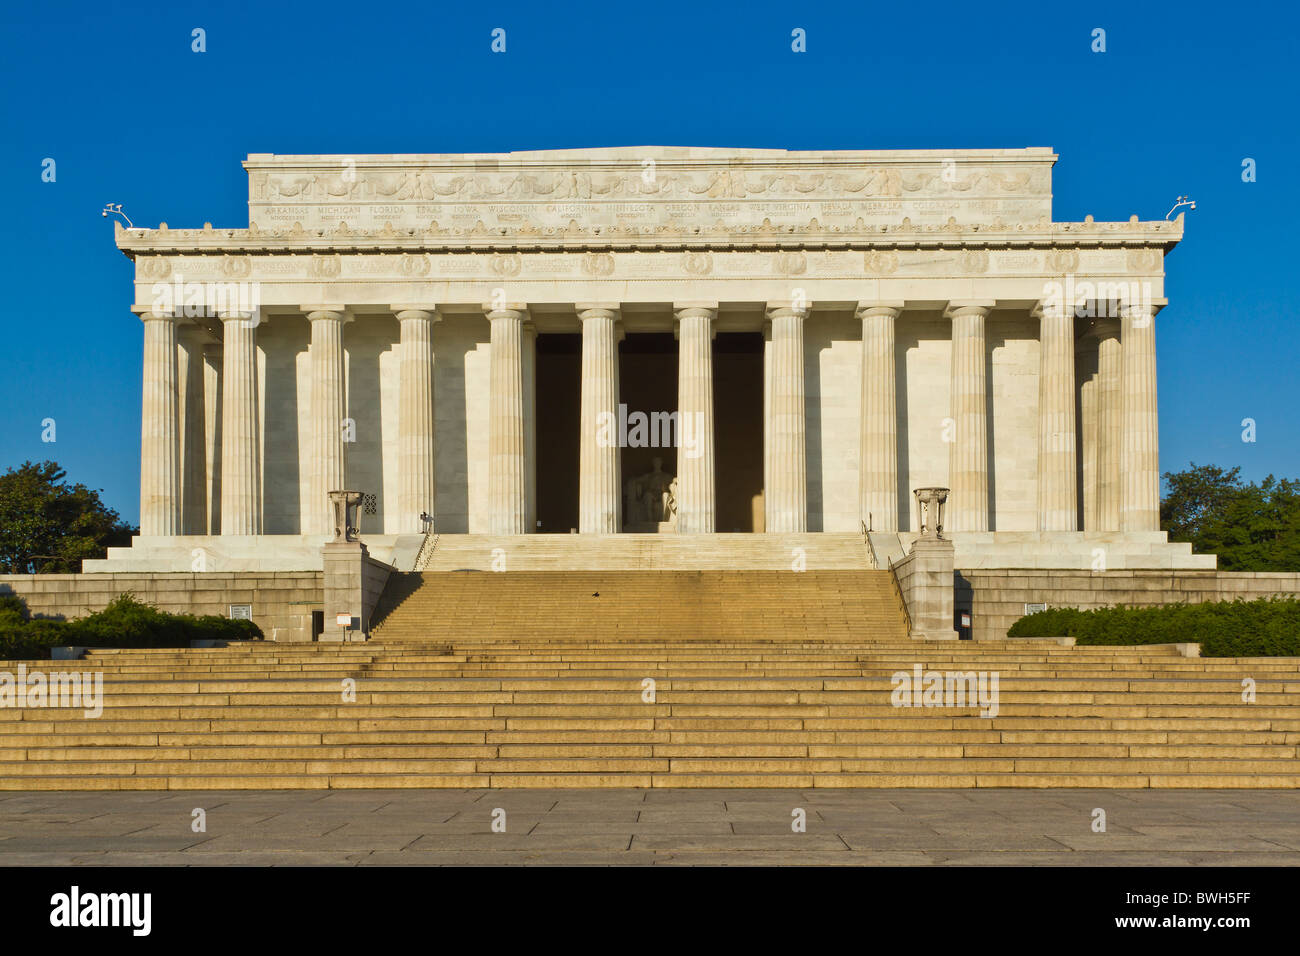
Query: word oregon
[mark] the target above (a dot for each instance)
(60, 689)
(922, 688)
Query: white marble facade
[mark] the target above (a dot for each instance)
(1017, 352)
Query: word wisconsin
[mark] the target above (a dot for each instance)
(103, 909)
(58, 689)
(922, 688)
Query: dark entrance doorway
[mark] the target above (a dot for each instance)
(559, 404)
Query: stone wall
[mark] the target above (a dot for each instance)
(996, 598)
(282, 602)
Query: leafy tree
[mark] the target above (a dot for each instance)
(1250, 527)
(49, 526)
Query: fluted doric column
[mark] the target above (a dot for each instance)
(878, 461)
(530, 422)
(416, 479)
(786, 446)
(212, 363)
(1139, 466)
(190, 382)
(968, 465)
(328, 411)
(1057, 458)
(160, 465)
(507, 445)
(1109, 429)
(600, 496)
(241, 447)
(696, 477)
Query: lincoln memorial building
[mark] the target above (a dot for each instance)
(678, 342)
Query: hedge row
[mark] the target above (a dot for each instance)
(126, 622)
(1269, 627)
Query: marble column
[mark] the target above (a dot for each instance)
(600, 491)
(416, 479)
(241, 447)
(328, 411)
(787, 494)
(507, 445)
(212, 362)
(194, 469)
(1057, 478)
(968, 462)
(530, 422)
(160, 465)
(1139, 457)
(1109, 430)
(878, 460)
(696, 477)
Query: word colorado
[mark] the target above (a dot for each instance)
(922, 688)
(59, 689)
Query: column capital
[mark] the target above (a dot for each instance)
(695, 311)
(248, 319)
(421, 313)
(519, 313)
(326, 313)
(146, 314)
(1141, 307)
(1052, 307)
(980, 307)
(870, 308)
(599, 310)
(781, 311)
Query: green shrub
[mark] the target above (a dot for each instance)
(126, 622)
(1269, 627)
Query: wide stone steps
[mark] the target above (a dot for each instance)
(528, 713)
(540, 606)
(646, 552)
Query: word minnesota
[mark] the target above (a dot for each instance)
(59, 689)
(103, 909)
(946, 689)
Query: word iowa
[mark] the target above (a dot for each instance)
(75, 908)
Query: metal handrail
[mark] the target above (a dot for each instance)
(898, 595)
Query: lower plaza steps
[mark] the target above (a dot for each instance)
(767, 679)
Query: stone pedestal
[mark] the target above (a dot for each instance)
(925, 577)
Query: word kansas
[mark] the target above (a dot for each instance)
(922, 688)
(103, 909)
(61, 689)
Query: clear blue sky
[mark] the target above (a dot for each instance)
(113, 93)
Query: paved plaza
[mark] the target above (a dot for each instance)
(651, 827)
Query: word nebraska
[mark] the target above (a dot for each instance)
(922, 688)
(103, 909)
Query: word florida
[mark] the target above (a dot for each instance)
(922, 688)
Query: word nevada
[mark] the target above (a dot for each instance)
(102, 909)
(60, 689)
(653, 430)
(922, 688)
